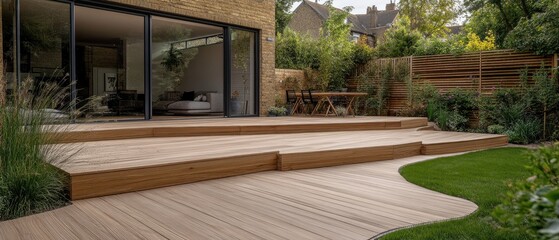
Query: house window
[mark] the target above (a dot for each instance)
(355, 37)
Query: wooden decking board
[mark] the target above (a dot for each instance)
(244, 126)
(344, 202)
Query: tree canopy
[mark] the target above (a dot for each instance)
(429, 17)
(526, 25)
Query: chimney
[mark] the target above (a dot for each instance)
(390, 6)
(373, 15)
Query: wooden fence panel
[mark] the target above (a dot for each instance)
(482, 72)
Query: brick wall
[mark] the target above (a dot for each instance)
(257, 14)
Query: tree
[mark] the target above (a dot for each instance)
(429, 17)
(539, 34)
(399, 40)
(336, 51)
(502, 17)
(282, 13)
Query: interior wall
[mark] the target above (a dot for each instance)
(205, 71)
(135, 58)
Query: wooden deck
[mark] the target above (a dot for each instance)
(232, 126)
(109, 167)
(355, 201)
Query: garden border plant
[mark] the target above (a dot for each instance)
(29, 129)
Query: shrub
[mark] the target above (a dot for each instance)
(432, 109)
(457, 121)
(29, 126)
(294, 51)
(532, 204)
(529, 113)
(413, 111)
(341, 111)
(524, 131)
(496, 129)
(435, 45)
(462, 101)
(441, 118)
(277, 111)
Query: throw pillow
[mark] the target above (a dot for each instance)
(188, 96)
(198, 98)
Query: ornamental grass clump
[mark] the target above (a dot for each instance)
(31, 121)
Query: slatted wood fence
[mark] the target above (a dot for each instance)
(482, 72)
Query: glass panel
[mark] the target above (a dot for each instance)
(45, 41)
(8, 45)
(110, 64)
(242, 100)
(187, 69)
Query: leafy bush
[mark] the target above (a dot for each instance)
(456, 121)
(341, 111)
(460, 100)
(29, 126)
(450, 111)
(435, 45)
(528, 114)
(476, 44)
(294, 51)
(441, 118)
(277, 111)
(525, 131)
(532, 205)
(496, 129)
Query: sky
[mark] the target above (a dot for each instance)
(360, 6)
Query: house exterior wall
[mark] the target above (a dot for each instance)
(256, 14)
(306, 21)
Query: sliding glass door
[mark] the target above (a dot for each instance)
(131, 64)
(187, 69)
(243, 91)
(110, 63)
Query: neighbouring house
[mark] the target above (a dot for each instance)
(310, 16)
(145, 59)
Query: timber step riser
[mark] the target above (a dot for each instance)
(103, 183)
(190, 131)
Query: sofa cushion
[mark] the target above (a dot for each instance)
(189, 105)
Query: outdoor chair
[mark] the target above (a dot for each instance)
(292, 101)
(308, 99)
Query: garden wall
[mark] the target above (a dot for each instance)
(284, 75)
(482, 72)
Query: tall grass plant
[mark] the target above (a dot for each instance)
(32, 120)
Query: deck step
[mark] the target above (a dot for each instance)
(238, 126)
(119, 166)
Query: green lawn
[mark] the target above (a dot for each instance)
(479, 177)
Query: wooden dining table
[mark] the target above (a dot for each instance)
(326, 98)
